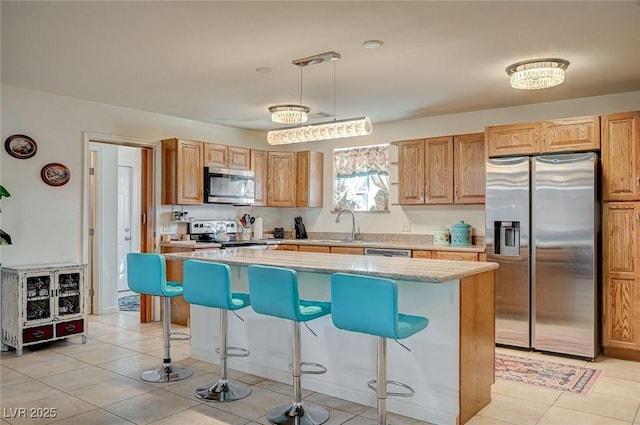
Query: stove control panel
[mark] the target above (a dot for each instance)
(200, 227)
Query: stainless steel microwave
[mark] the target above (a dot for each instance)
(226, 186)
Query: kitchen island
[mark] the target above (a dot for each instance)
(451, 363)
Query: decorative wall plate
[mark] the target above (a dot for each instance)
(20, 146)
(55, 174)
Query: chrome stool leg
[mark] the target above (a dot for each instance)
(381, 390)
(167, 372)
(224, 390)
(298, 413)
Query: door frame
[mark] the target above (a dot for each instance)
(149, 164)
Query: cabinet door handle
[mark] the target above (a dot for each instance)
(69, 328)
(638, 181)
(638, 217)
(38, 333)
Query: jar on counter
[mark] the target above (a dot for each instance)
(441, 235)
(461, 234)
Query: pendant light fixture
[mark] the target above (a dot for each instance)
(537, 73)
(289, 114)
(321, 131)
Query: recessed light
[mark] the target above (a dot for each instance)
(372, 44)
(264, 70)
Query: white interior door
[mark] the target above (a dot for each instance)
(124, 223)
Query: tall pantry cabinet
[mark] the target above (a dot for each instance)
(621, 234)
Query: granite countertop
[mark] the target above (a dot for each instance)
(411, 269)
(338, 242)
(382, 244)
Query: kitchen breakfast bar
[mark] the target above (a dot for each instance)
(450, 365)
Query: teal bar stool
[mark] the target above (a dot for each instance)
(146, 274)
(209, 284)
(274, 292)
(369, 305)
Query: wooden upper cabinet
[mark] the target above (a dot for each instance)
(238, 158)
(621, 157)
(442, 170)
(215, 156)
(469, 168)
(562, 135)
(259, 165)
(512, 139)
(438, 170)
(411, 178)
(281, 178)
(309, 179)
(621, 280)
(182, 172)
(571, 134)
(223, 156)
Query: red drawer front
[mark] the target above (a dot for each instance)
(70, 328)
(39, 333)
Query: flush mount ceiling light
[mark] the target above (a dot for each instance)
(537, 73)
(289, 114)
(321, 131)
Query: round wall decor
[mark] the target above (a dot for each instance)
(20, 146)
(55, 174)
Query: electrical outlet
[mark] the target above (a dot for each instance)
(406, 226)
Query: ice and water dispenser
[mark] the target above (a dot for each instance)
(507, 237)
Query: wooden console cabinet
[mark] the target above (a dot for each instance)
(43, 303)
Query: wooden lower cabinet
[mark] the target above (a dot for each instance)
(621, 280)
(180, 309)
(449, 255)
(455, 255)
(314, 248)
(286, 247)
(347, 250)
(421, 254)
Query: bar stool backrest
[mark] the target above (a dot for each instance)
(146, 274)
(274, 292)
(207, 283)
(365, 304)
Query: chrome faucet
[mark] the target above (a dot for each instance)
(355, 230)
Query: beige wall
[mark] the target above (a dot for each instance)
(46, 223)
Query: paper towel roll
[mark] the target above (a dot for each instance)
(257, 228)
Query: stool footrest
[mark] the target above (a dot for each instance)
(319, 371)
(235, 352)
(409, 393)
(179, 336)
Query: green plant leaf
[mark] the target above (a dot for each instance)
(4, 192)
(5, 239)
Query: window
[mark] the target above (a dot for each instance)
(361, 178)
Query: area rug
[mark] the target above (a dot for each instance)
(129, 303)
(558, 376)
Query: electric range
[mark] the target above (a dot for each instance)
(205, 231)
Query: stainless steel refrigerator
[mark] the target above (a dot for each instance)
(542, 227)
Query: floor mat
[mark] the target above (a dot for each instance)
(573, 379)
(129, 303)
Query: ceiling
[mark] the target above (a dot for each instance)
(198, 60)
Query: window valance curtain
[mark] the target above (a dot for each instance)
(354, 162)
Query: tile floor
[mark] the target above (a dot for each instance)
(98, 383)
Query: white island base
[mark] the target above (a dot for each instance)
(450, 366)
